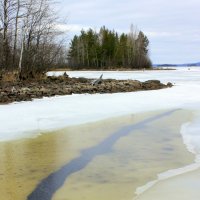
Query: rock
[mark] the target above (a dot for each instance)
(152, 82)
(169, 84)
(83, 80)
(137, 84)
(13, 89)
(51, 86)
(66, 75)
(24, 90)
(43, 90)
(153, 85)
(4, 99)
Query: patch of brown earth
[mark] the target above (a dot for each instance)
(63, 85)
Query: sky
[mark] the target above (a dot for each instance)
(172, 26)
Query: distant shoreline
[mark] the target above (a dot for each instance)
(112, 69)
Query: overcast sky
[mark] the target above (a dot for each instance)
(172, 26)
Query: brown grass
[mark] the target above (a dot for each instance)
(13, 76)
(8, 76)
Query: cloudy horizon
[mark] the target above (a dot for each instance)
(171, 26)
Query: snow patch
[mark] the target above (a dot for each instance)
(27, 119)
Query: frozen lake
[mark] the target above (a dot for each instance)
(106, 146)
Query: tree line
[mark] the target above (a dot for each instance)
(31, 43)
(29, 39)
(108, 49)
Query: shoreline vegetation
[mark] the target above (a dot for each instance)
(63, 85)
(108, 48)
(32, 43)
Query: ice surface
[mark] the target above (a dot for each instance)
(180, 75)
(25, 119)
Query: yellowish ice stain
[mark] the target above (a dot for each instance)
(24, 163)
(134, 160)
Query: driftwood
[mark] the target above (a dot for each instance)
(98, 81)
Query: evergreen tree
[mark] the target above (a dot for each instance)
(108, 49)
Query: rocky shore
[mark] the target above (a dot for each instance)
(63, 85)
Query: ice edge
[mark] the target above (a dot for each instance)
(187, 130)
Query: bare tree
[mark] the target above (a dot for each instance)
(4, 23)
(132, 47)
(19, 6)
(29, 35)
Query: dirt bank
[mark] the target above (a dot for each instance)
(63, 85)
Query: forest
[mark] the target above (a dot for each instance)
(109, 50)
(31, 42)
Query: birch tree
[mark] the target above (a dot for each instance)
(29, 36)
